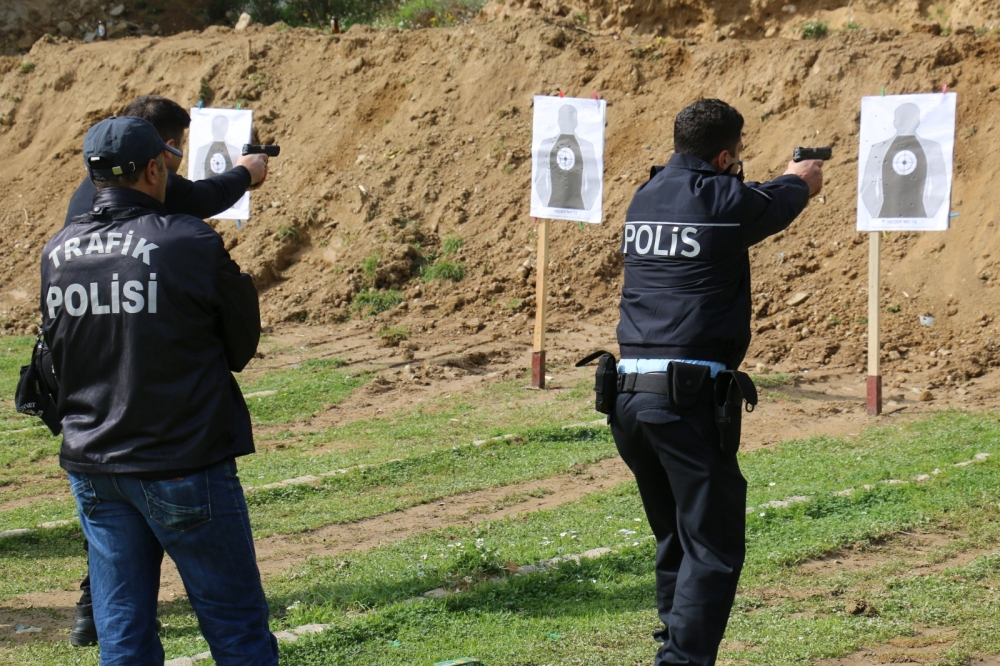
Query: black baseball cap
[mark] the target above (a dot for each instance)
(123, 145)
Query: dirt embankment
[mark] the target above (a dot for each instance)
(394, 142)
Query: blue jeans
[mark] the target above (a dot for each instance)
(201, 521)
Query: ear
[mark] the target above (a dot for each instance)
(722, 160)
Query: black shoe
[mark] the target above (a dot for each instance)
(84, 633)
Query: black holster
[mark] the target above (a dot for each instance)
(605, 380)
(732, 389)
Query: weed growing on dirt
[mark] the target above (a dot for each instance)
(369, 268)
(451, 245)
(205, 92)
(773, 380)
(514, 304)
(393, 335)
(814, 29)
(443, 270)
(26, 67)
(371, 302)
(287, 234)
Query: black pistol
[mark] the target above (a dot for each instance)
(800, 153)
(270, 151)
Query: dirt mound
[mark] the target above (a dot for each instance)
(407, 152)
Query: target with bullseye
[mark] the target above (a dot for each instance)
(904, 162)
(565, 158)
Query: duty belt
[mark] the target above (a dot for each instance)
(643, 382)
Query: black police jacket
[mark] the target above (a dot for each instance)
(146, 316)
(201, 198)
(687, 267)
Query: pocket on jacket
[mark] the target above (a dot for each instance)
(83, 492)
(179, 504)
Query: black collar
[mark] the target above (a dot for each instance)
(120, 202)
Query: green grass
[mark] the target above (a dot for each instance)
(814, 29)
(371, 302)
(773, 380)
(597, 611)
(396, 485)
(300, 391)
(393, 335)
(451, 245)
(602, 610)
(444, 270)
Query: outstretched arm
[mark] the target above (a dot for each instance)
(591, 174)
(937, 176)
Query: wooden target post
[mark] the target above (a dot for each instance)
(874, 286)
(541, 293)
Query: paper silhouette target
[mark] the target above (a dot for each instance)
(905, 162)
(216, 142)
(567, 159)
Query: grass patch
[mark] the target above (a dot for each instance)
(300, 391)
(369, 268)
(444, 270)
(773, 380)
(371, 302)
(814, 29)
(451, 245)
(26, 67)
(391, 336)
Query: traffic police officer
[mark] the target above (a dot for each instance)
(147, 316)
(684, 329)
(203, 198)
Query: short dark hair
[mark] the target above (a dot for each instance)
(167, 116)
(706, 128)
(125, 179)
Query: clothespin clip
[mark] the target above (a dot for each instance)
(597, 97)
(239, 224)
(581, 225)
(535, 220)
(883, 91)
(561, 94)
(239, 105)
(944, 88)
(201, 103)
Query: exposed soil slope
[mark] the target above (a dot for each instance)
(395, 141)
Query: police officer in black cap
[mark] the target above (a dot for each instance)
(684, 330)
(147, 317)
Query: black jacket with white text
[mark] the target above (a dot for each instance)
(147, 316)
(687, 267)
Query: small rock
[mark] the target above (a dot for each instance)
(244, 22)
(798, 299)
(762, 369)
(925, 396)
(66, 28)
(117, 11)
(25, 629)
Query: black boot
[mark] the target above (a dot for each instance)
(84, 633)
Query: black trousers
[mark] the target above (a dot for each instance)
(695, 500)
